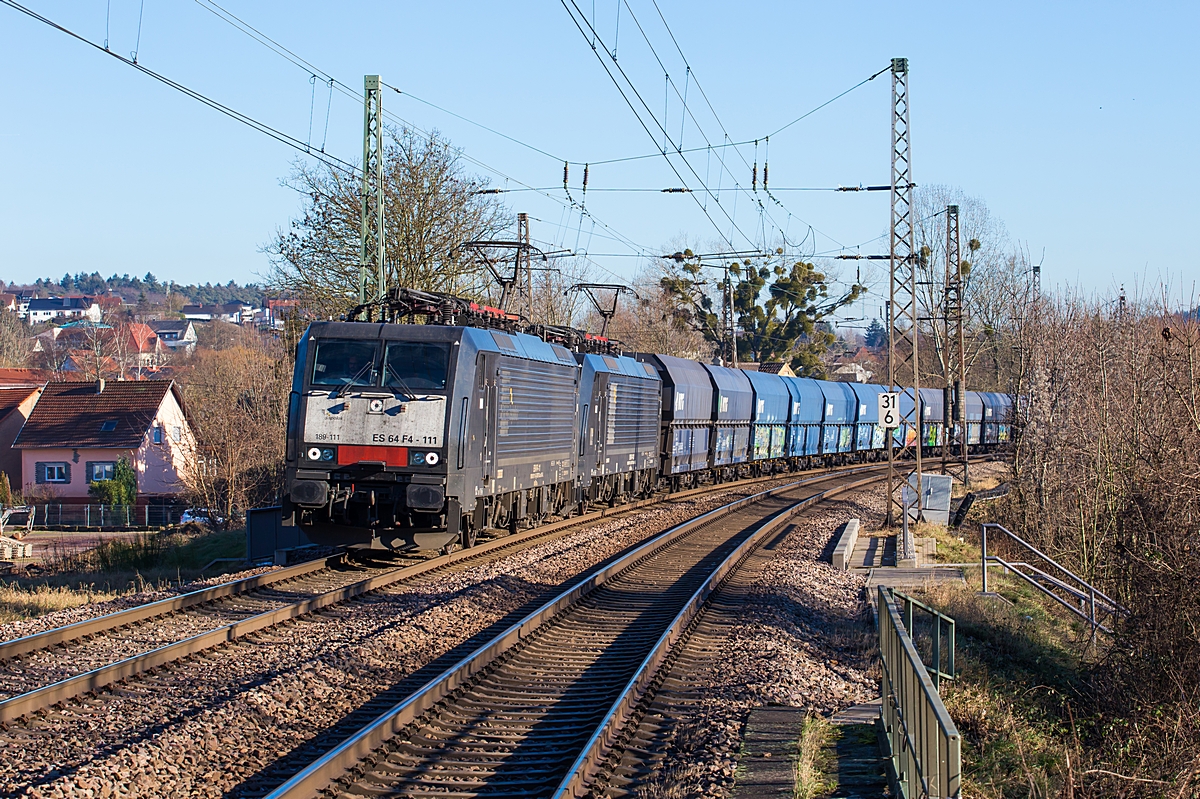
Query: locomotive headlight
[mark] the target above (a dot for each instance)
(325, 454)
(432, 458)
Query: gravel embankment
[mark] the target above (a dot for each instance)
(788, 630)
(207, 726)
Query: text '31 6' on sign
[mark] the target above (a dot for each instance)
(889, 409)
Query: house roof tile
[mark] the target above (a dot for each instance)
(167, 325)
(72, 414)
(23, 377)
(10, 398)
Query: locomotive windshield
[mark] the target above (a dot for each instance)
(345, 363)
(416, 365)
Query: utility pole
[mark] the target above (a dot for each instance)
(525, 262)
(372, 279)
(954, 441)
(903, 361)
(728, 321)
(484, 252)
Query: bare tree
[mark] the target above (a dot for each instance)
(237, 400)
(14, 342)
(553, 302)
(431, 207)
(995, 277)
(645, 322)
(1107, 480)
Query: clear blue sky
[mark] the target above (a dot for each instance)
(1076, 123)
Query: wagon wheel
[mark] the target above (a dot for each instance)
(466, 538)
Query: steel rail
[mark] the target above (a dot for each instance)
(600, 745)
(138, 613)
(332, 766)
(51, 694)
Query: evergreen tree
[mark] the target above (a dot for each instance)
(876, 335)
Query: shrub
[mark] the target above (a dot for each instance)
(121, 490)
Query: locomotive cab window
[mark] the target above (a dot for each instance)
(416, 365)
(344, 363)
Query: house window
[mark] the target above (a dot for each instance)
(157, 434)
(177, 434)
(108, 425)
(101, 471)
(56, 472)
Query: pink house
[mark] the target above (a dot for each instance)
(77, 432)
(16, 405)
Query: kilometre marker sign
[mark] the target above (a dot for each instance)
(889, 409)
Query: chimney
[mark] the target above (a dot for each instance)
(100, 386)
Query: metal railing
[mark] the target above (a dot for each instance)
(924, 749)
(1055, 581)
(70, 515)
(941, 646)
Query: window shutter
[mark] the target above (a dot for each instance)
(87, 475)
(68, 465)
(39, 473)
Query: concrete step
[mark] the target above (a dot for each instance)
(766, 766)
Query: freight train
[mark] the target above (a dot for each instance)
(421, 436)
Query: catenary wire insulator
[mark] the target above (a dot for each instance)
(585, 178)
(754, 177)
(764, 175)
(566, 167)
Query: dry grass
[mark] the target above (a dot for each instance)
(813, 757)
(1018, 675)
(982, 483)
(117, 567)
(20, 602)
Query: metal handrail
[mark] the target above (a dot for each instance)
(924, 747)
(1084, 591)
(938, 620)
(1090, 617)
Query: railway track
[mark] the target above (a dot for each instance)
(537, 710)
(42, 670)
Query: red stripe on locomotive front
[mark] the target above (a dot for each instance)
(389, 456)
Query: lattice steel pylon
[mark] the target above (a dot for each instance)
(954, 440)
(525, 264)
(372, 279)
(904, 374)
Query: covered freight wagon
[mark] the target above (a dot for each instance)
(841, 412)
(687, 402)
(974, 413)
(808, 413)
(733, 401)
(771, 404)
(869, 435)
(932, 416)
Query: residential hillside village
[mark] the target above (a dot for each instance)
(95, 373)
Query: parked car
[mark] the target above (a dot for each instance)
(204, 516)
